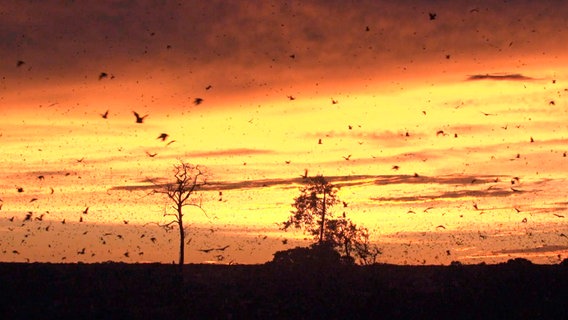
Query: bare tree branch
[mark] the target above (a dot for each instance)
(187, 179)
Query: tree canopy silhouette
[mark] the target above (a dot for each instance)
(312, 213)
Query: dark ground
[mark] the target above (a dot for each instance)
(513, 290)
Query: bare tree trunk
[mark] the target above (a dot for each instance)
(322, 226)
(181, 238)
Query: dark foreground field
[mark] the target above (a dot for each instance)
(513, 290)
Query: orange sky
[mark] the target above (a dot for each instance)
(490, 75)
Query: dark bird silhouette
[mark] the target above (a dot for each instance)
(440, 227)
(86, 210)
(104, 115)
(292, 56)
(41, 177)
(432, 15)
(20, 189)
(487, 114)
(395, 167)
(291, 98)
(552, 103)
(197, 101)
(411, 211)
(287, 161)
(103, 75)
(20, 63)
(139, 119)
(350, 127)
(333, 101)
(208, 87)
(81, 219)
(345, 204)
(80, 160)
(151, 155)
(517, 209)
(33, 199)
(440, 132)
(28, 216)
(153, 240)
(475, 206)
(367, 29)
(319, 141)
(558, 215)
(82, 251)
(163, 136)
(532, 140)
(125, 221)
(63, 221)
(347, 158)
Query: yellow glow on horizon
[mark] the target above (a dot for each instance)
(484, 125)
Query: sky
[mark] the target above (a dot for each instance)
(443, 124)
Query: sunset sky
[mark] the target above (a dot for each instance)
(444, 123)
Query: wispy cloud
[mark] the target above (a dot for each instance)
(496, 192)
(341, 181)
(542, 249)
(150, 184)
(229, 152)
(499, 76)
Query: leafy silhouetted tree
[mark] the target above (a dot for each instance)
(312, 207)
(313, 214)
(188, 179)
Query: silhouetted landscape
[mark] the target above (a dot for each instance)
(517, 289)
(291, 159)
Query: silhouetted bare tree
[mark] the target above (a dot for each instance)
(188, 179)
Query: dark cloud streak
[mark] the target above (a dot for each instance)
(510, 77)
(340, 181)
